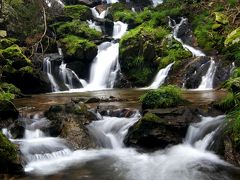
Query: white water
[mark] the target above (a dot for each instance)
(157, 2)
(93, 25)
(175, 26)
(112, 1)
(207, 80)
(188, 161)
(119, 29)
(50, 2)
(160, 77)
(97, 15)
(48, 69)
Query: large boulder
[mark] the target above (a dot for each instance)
(9, 158)
(159, 128)
(69, 122)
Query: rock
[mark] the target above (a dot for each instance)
(17, 129)
(8, 112)
(9, 158)
(233, 37)
(101, 8)
(69, 122)
(114, 111)
(161, 127)
(93, 100)
(90, 3)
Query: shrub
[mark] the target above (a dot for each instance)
(165, 96)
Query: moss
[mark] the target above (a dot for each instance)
(78, 12)
(139, 48)
(74, 45)
(230, 102)
(27, 69)
(6, 96)
(15, 55)
(236, 72)
(221, 18)
(77, 28)
(233, 85)
(7, 42)
(233, 37)
(7, 149)
(10, 88)
(165, 96)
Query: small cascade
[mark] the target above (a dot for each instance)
(176, 27)
(50, 2)
(110, 132)
(160, 77)
(111, 1)
(69, 77)
(93, 25)
(119, 29)
(157, 2)
(48, 69)
(200, 135)
(96, 14)
(207, 80)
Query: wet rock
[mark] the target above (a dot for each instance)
(17, 129)
(114, 111)
(69, 122)
(93, 100)
(161, 127)
(9, 158)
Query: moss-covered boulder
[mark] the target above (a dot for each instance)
(233, 37)
(139, 49)
(14, 55)
(78, 12)
(9, 159)
(77, 28)
(78, 49)
(164, 97)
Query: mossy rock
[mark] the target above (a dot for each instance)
(164, 97)
(139, 49)
(10, 88)
(15, 56)
(77, 28)
(76, 48)
(7, 42)
(9, 159)
(233, 37)
(78, 12)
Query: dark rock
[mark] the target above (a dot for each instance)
(17, 129)
(92, 100)
(8, 113)
(114, 111)
(90, 3)
(161, 127)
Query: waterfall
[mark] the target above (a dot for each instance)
(119, 29)
(48, 69)
(207, 80)
(157, 2)
(93, 25)
(102, 66)
(160, 77)
(176, 27)
(50, 2)
(97, 15)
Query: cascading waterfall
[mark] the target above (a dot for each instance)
(207, 80)
(160, 77)
(157, 2)
(176, 27)
(119, 29)
(48, 69)
(46, 155)
(93, 25)
(96, 14)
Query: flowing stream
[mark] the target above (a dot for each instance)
(112, 160)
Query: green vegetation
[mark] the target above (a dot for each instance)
(76, 47)
(78, 12)
(7, 149)
(77, 28)
(164, 97)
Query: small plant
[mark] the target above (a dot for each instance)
(165, 96)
